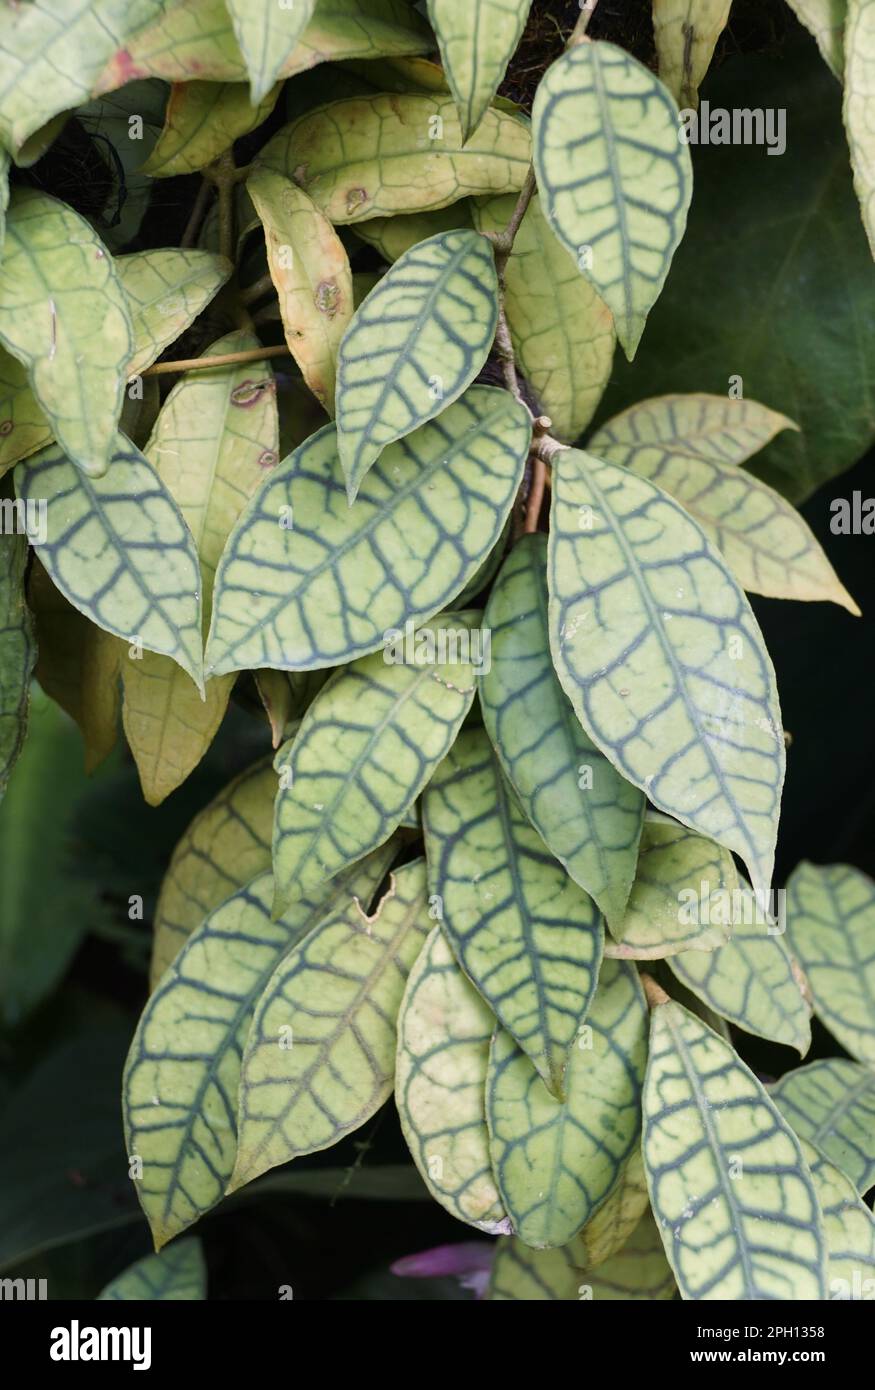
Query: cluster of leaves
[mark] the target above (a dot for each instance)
(503, 758)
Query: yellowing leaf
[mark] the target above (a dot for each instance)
(691, 447)
(686, 33)
(416, 343)
(617, 201)
(638, 1272)
(310, 269)
(611, 1227)
(859, 105)
(392, 236)
(268, 32)
(178, 1274)
(64, 316)
(166, 291)
(375, 155)
(659, 652)
(476, 42)
(17, 648)
(201, 121)
(832, 1104)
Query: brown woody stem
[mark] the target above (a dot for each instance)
(224, 359)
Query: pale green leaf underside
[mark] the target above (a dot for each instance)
(202, 121)
(610, 1228)
(831, 922)
(849, 1228)
(267, 33)
(859, 105)
(414, 345)
(832, 1104)
(639, 1272)
(523, 931)
(657, 648)
(326, 590)
(339, 992)
(392, 236)
(557, 1161)
(730, 1190)
(118, 548)
(825, 19)
(586, 813)
(17, 652)
(444, 1032)
(476, 43)
(615, 178)
(176, 1274)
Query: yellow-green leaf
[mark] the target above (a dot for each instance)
(859, 105)
(612, 1226)
(477, 41)
(615, 179)
(375, 155)
(524, 932)
(849, 1227)
(118, 548)
(24, 426)
(638, 1272)
(557, 1161)
(686, 33)
(587, 814)
(310, 269)
(562, 332)
(320, 1059)
(64, 316)
(392, 236)
(825, 19)
(201, 121)
(831, 921)
(17, 647)
(307, 581)
(177, 1274)
(659, 652)
(732, 1196)
(691, 447)
(166, 291)
(267, 33)
(444, 1032)
(832, 1104)
(416, 343)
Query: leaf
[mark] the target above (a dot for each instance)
(177, 1274)
(24, 427)
(522, 930)
(686, 34)
(183, 1068)
(731, 1194)
(690, 446)
(832, 1104)
(586, 814)
(616, 202)
(638, 1272)
(562, 333)
(268, 34)
(683, 896)
(375, 155)
(77, 665)
(366, 747)
(339, 992)
(612, 1226)
(753, 981)
(64, 316)
(166, 292)
(557, 1161)
(226, 845)
(444, 1032)
(831, 921)
(118, 548)
(476, 42)
(392, 236)
(825, 19)
(848, 1225)
(329, 589)
(859, 106)
(17, 648)
(414, 345)
(670, 675)
(214, 439)
(202, 120)
(310, 270)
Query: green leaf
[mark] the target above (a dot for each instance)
(118, 548)
(638, 1272)
(310, 270)
(690, 446)
(682, 897)
(825, 19)
(562, 333)
(166, 292)
(610, 1228)
(184, 1064)
(522, 930)
(64, 316)
(330, 588)
(859, 105)
(202, 120)
(226, 845)
(366, 748)
(476, 42)
(732, 1196)
(831, 921)
(339, 993)
(444, 1032)
(179, 1273)
(616, 202)
(374, 155)
(586, 813)
(848, 1225)
(268, 34)
(414, 345)
(686, 34)
(216, 436)
(557, 1161)
(392, 236)
(26, 427)
(753, 981)
(17, 648)
(832, 1104)
(659, 652)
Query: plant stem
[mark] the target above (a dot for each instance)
(198, 212)
(223, 173)
(578, 33)
(258, 288)
(224, 359)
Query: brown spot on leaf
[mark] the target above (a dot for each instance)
(327, 297)
(355, 198)
(267, 459)
(249, 393)
(6, 427)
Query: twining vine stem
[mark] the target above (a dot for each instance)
(224, 359)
